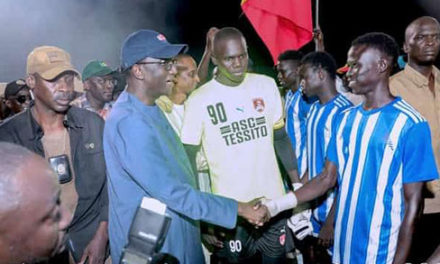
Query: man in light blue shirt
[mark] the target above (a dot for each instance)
(145, 157)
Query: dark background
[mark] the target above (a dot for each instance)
(95, 29)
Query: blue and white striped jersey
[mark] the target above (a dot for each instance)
(320, 122)
(296, 109)
(376, 152)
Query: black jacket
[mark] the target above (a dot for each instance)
(85, 131)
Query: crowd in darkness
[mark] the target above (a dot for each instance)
(332, 165)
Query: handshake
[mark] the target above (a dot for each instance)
(259, 211)
(255, 212)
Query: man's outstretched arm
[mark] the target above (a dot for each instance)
(311, 190)
(284, 151)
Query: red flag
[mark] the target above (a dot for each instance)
(281, 24)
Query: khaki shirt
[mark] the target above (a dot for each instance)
(412, 86)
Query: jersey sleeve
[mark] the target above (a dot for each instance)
(278, 107)
(192, 127)
(304, 108)
(332, 154)
(418, 157)
(331, 150)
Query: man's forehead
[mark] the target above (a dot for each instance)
(65, 74)
(307, 66)
(430, 27)
(288, 64)
(364, 54)
(356, 51)
(53, 190)
(106, 77)
(227, 46)
(421, 25)
(186, 62)
(41, 184)
(183, 67)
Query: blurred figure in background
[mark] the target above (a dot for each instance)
(98, 85)
(120, 84)
(71, 139)
(16, 98)
(419, 85)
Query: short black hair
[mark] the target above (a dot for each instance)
(227, 33)
(380, 41)
(323, 60)
(290, 55)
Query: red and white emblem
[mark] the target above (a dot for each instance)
(161, 37)
(258, 104)
(283, 239)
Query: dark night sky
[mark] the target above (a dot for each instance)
(95, 29)
(341, 21)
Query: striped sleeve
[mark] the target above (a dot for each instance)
(332, 154)
(418, 157)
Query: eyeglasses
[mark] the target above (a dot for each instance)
(22, 98)
(167, 64)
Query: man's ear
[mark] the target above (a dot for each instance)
(405, 47)
(137, 72)
(8, 103)
(214, 60)
(31, 81)
(322, 74)
(86, 85)
(383, 65)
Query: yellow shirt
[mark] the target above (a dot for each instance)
(412, 86)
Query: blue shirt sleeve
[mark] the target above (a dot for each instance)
(332, 154)
(418, 158)
(304, 107)
(142, 155)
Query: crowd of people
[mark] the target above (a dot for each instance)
(354, 151)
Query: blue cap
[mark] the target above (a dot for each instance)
(147, 43)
